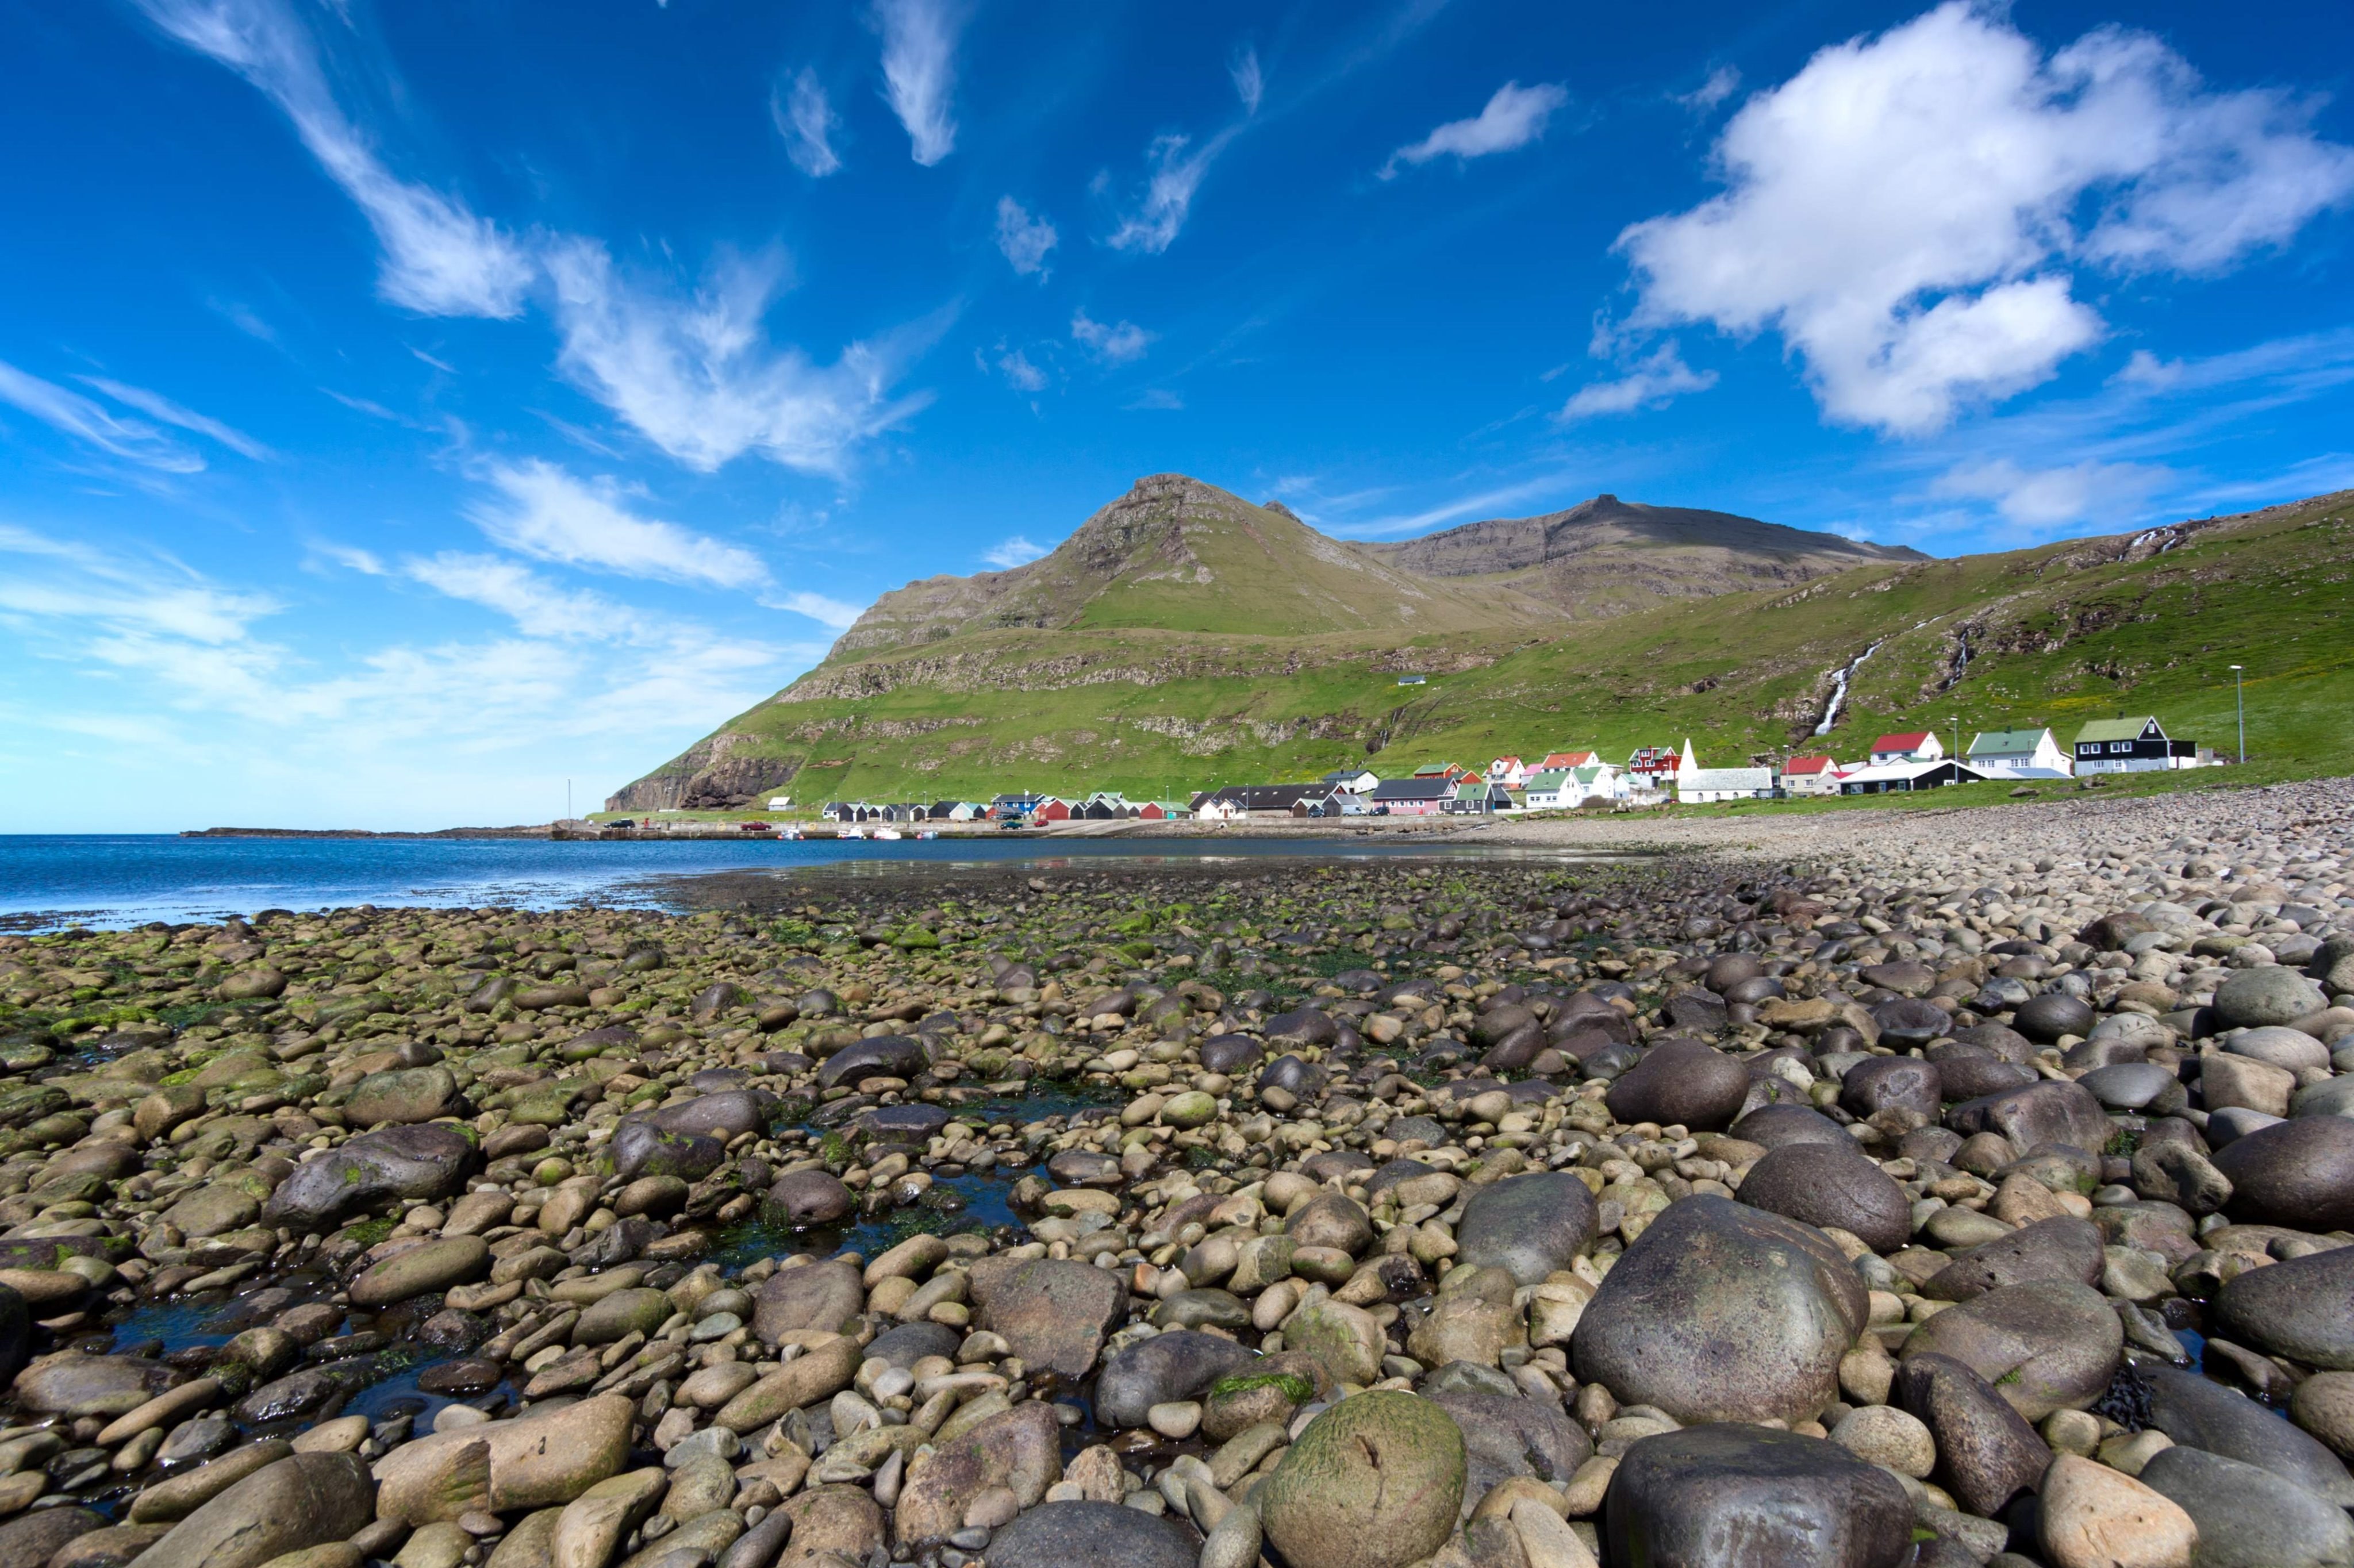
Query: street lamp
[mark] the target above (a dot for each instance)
(2239, 702)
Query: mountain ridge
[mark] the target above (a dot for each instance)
(1116, 667)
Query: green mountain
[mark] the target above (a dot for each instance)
(1183, 639)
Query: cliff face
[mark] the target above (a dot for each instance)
(1607, 556)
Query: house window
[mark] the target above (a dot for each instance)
(2120, 746)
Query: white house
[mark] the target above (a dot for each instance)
(2017, 750)
(1508, 771)
(1355, 780)
(1914, 746)
(1702, 785)
(1599, 778)
(1810, 775)
(1551, 791)
(780, 802)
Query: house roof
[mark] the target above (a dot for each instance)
(1429, 788)
(1568, 759)
(1807, 766)
(2116, 728)
(1911, 740)
(2000, 741)
(1430, 769)
(1551, 779)
(1894, 770)
(1271, 796)
(1505, 762)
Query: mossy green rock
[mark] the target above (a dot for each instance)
(1373, 1482)
(1190, 1109)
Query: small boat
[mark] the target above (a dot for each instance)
(889, 834)
(930, 834)
(789, 832)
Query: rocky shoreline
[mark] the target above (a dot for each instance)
(1930, 1188)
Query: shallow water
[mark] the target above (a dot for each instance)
(127, 879)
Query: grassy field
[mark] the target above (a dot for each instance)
(2091, 628)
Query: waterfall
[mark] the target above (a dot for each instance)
(1839, 690)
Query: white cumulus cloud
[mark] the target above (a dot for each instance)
(807, 122)
(1513, 118)
(1116, 344)
(1020, 373)
(1661, 375)
(1906, 210)
(1023, 239)
(919, 70)
(698, 376)
(439, 258)
(543, 511)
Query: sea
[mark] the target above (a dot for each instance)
(100, 880)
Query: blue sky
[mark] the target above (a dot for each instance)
(406, 409)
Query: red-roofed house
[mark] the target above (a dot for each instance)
(1915, 745)
(1810, 775)
(1508, 771)
(1563, 761)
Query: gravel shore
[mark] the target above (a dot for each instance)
(1907, 1187)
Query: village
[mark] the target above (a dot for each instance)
(1653, 776)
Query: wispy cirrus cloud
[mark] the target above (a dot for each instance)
(1119, 343)
(1023, 239)
(1514, 117)
(439, 257)
(1250, 81)
(1657, 378)
(1007, 553)
(919, 70)
(537, 607)
(807, 122)
(2046, 498)
(817, 607)
(1152, 224)
(697, 376)
(156, 405)
(133, 440)
(543, 511)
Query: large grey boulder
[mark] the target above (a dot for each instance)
(1177, 1365)
(1987, 1453)
(2300, 1173)
(1527, 1225)
(1735, 1494)
(2048, 1345)
(428, 1161)
(1827, 1185)
(2036, 1114)
(2302, 1308)
(2062, 1247)
(828, 1295)
(1722, 1313)
(1054, 1313)
(304, 1500)
(2201, 1413)
(1506, 1435)
(2267, 995)
(1087, 1534)
(2247, 1517)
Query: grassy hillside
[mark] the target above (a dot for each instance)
(2056, 635)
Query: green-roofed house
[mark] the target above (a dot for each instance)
(2137, 745)
(2017, 750)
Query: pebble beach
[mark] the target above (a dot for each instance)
(1922, 1187)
